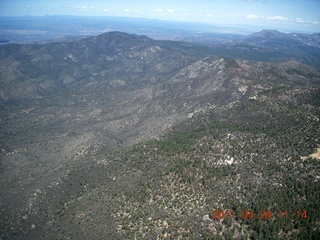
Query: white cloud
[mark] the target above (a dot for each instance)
(158, 10)
(83, 8)
(252, 16)
(126, 10)
(106, 10)
(296, 20)
(278, 18)
(299, 20)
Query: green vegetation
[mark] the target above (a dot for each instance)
(237, 165)
(242, 158)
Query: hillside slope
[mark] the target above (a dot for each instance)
(120, 136)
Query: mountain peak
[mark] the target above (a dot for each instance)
(116, 35)
(273, 39)
(268, 33)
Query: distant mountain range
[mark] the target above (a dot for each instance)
(116, 59)
(121, 136)
(276, 39)
(232, 42)
(270, 45)
(144, 78)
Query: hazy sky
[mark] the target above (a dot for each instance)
(301, 15)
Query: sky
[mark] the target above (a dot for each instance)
(297, 15)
